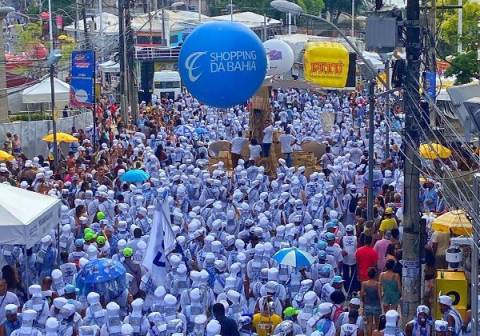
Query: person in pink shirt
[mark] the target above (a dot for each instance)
(381, 248)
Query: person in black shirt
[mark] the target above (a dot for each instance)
(229, 326)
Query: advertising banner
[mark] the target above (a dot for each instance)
(431, 84)
(83, 78)
(222, 64)
(329, 65)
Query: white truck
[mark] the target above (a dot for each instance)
(167, 84)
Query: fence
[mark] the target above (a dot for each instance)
(31, 132)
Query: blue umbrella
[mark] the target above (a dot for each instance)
(293, 257)
(183, 130)
(200, 130)
(103, 276)
(135, 176)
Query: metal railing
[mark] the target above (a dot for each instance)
(157, 53)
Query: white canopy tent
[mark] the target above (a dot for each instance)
(26, 216)
(41, 92)
(109, 66)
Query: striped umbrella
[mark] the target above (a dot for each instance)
(293, 257)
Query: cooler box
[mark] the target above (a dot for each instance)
(455, 285)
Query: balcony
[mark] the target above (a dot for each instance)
(164, 54)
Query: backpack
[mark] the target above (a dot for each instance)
(353, 204)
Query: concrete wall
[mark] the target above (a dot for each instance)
(32, 132)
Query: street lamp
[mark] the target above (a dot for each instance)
(292, 8)
(53, 59)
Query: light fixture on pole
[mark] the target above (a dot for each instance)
(3, 80)
(53, 58)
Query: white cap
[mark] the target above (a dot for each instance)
(127, 329)
(29, 315)
(213, 327)
(113, 307)
(59, 302)
(52, 323)
(441, 325)
(445, 299)
(46, 239)
(355, 301)
(35, 290)
(324, 308)
(391, 318)
(93, 297)
(11, 308)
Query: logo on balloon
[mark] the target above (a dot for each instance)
(280, 56)
(190, 65)
(226, 70)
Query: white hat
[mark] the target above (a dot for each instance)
(170, 300)
(423, 309)
(29, 315)
(59, 302)
(11, 308)
(47, 239)
(52, 324)
(127, 329)
(35, 290)
(213, 327)
(324, 308)
(200, 319)
(445, 299)
(113, 307)
(355, 301)
(391, 318)
(93, 297)
(441, 325)
(159, 292)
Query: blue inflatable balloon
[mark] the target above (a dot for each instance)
(222, 64)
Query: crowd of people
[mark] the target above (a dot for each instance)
(221, 278)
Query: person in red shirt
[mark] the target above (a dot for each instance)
(366, 258)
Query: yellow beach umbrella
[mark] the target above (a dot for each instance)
(4, 156)
(434, 151)
(61, 137)
(454, 221)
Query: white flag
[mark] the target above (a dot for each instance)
(161, 242)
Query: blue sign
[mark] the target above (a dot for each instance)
(83, 77)
(431, 84)
(222, 64)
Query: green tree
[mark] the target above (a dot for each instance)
(29, 36)
(464, 67)
(313, 7)
(449, 31)
(337, 7)
(263, 6)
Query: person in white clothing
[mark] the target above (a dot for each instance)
(237, 145)
(286, 141)
(267, 140)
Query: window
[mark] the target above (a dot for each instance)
(167, 85)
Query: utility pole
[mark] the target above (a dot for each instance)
(102, 44)
(411, 247)
(130, 52)
(474, 277)
(371, 160)
(85, 28)
(77, 18)
(460, 26)
(123, 64)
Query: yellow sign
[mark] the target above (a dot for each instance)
(327, 64)
(453, 284)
